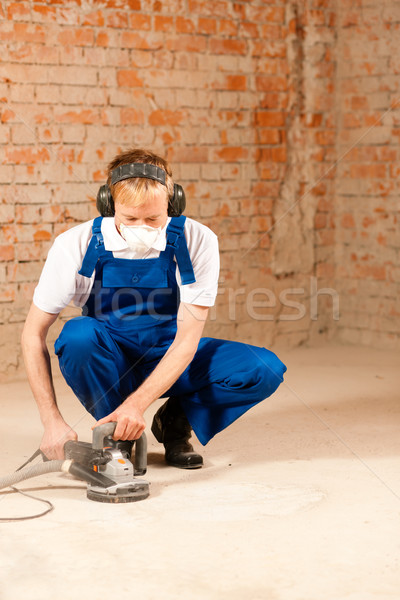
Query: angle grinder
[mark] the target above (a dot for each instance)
(104, 464)
(115, 476)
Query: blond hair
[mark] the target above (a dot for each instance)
(137, 190)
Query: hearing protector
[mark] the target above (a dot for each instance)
(105, 202)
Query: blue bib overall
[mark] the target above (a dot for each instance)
(127, 325)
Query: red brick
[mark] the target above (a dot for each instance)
(267, 84)
(216, 8)
(52, 213)
(163, 23)
(270, 119)
(98, 176)
(27, 214)
(227, 27)
(184, 25)
(271, 172)
(320, 221)
(231, 82)
(250, 30)
(315, 17)
(76, 37)
(25, 32)
(27, 155)
(126, 4)
(264, 13)
(269, 136)
(326, 237)
(8, 293)
(359, 102)
(84, 116)
(150, 41)
(6, 252)
(131, 116)
(188, 154)
(139, 21)
(24, 271)
(261, 224)
(325, 138)
(373, 171)
(18, 11)
(166, 117)
(265, 189)
(373, 119)
(278, 155)
(232, 154)
(273, 100)
(28, 251)
(350, 120)
(218, 46)
(273, 33)
(129, 79)
(313, 119)
(7, 115)
(376, 272)
(325, 270)
(186, 43)
(207, 26)
(273, 49)
(95, 18)
(102, 39)
(387, 154)
(118, 20)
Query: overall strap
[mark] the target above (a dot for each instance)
(96, 247)
(176, 243)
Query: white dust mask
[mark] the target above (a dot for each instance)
(140, 238)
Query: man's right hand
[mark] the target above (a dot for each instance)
(54, 438)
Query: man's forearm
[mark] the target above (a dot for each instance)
(170, 367)
(38, 367)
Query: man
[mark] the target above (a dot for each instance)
(145, 281)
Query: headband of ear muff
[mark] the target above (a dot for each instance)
(105, 202)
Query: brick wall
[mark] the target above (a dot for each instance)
(367, 182)
(240, 96)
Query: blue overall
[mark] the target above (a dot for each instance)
(127, 325)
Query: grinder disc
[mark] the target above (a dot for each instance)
(135, 492)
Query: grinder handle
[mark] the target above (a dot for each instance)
(140, 465)
(100, 432)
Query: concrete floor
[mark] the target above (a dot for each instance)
(298, 500)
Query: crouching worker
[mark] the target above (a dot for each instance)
(145, 277)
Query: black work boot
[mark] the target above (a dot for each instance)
(171, 427)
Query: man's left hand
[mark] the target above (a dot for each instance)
(130, 422)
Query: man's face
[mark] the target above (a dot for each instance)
(153, 212)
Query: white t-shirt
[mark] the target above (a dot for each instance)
(60, 283)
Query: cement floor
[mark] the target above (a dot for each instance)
(298, 500)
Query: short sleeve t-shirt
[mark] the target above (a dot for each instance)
(60, 283)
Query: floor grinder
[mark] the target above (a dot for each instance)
(104, 464)
(115, 479)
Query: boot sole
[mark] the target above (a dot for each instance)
(187, 467)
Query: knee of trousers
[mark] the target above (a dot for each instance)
(259, 372)
(79, 337)
(268, 371)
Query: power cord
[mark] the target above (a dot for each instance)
(50, 505)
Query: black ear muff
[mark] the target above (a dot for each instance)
(177, 204)
(105, 202)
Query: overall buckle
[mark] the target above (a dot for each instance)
(173, 239)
